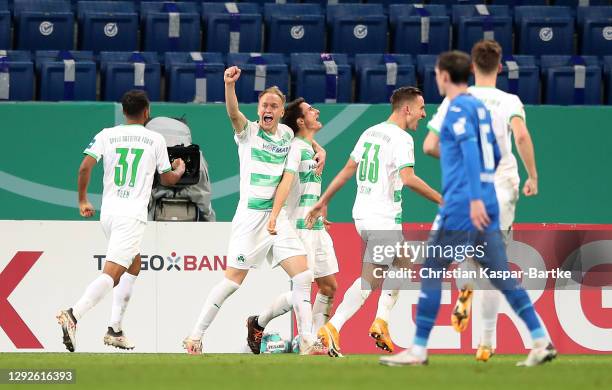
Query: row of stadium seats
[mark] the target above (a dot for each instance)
(198, 77)
(290, 28)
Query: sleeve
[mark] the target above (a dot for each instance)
(403, 153)
(516, 109)
(95, 148)
(357, 152)
(463, 123)
(294, 158)
(245, 134)
(435, 124)
(163, 161)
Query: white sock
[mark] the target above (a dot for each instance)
(320, 310)
(281, 305)
(490, 307)
(419, 351)
(121, 297)
(386, 302)
(211, 307)
(96, 290)
(353, 299)
(300, 300)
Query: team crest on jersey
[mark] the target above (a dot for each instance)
(241, 259)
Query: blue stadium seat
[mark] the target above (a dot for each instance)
(44, 24)
(595, 30)
(426, 64)
(379, 74)
(259, 71)
(544, 30)
(571, 80)
(607, 68)
(407, 21)
(20, 71)
(524, 81)
(4, 5)
(318, 84)
(294, 28)
(357, 28)
(475, 22)
(169, 26)
(235, 31)
(514, 3)
(195, 77)
(455, 2)
(122, 71)
(5, 29)
(66, 75)
(581, 3)
(107, 25)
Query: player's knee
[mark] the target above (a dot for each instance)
(304, 278)
(328, 288)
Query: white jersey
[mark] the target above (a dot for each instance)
(262, 160)
(503, 107)
(306, 187)
(131, 154)
(381, 152)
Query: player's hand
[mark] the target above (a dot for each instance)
(231, 75)
(531, 187)
(320, 158)
(326, 222)
(86, 209)
(315, 212)
(272, 226)
(478, 215)
(178, 166)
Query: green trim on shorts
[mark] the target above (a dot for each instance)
(301, 224)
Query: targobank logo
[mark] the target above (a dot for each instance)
(175, 262)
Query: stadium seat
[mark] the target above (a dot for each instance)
(426, 64)
(607, 68)
(475, 22)
(259, 71)
(581, 3)
(357, 28)
(169, 26)
(520, 76)
(429, 25)
(122, 71)
(20, 82)
(544, 30)
(320, 81)
(379, 74)
(514, 3)
(107, 25)
(294, 28)
(194, 77)
(595, 30)
(65, 75)
(571, 80)
(5, 29)
(44, 24)
(4, 5)
(232, 27)
(455, 2)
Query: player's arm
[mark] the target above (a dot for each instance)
(239, 121)
(320, 157)
(171, 177)
(282, 192)
(524, 146)
(416, 184)
(431, 145)
(85, 208)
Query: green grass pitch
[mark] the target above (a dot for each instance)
(290, 372)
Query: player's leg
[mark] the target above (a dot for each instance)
(324, 300)
(325, 267)
(256, 324)
(460, 316)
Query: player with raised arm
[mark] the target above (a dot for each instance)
(131, 154)
(508, 118)
(382, 163)
(469, 215)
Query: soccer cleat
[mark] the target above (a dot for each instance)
(254, 334)
(379, 331)
(461, 313)
(329, 337)
(539, 355)
(68, 324)
(404, 358)
(193, 346)
(117, 339)
(484, 353)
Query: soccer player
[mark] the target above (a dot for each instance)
(131, 155)
(262, 150)
(299, 189)
(469, 215)
(508, 117)
(382, 162)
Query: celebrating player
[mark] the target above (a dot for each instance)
(131, 155)
(382, 162)
(469, 215)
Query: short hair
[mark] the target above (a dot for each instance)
(403, 94)
(134, 102)
(275, 91)
(293, 112)
(457, 64)
(486, 55)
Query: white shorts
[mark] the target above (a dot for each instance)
(319, 252)
(124, 235)
(507, 196)
(376, 235)
(250, 243)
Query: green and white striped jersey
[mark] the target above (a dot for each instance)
(262, 160)
(306, 186)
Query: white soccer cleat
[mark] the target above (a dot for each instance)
(68, 324)
(404, 358)
(539, 355)
(193, 346)
(117, 339)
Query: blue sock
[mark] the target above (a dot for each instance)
(428, 306)
(521, 304)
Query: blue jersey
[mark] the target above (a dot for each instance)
(468, 157)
